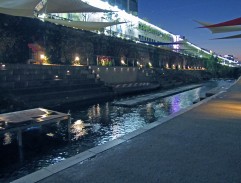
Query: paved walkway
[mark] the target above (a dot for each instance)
(201, 145)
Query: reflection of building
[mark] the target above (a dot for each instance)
(130, 6)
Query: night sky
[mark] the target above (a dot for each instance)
(176, 16)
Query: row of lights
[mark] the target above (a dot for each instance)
(107, 69)
(184, 67)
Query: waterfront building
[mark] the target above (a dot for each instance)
(117, 18)
(134, 28)
(130, 6)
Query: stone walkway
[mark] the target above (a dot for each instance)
(199, 144)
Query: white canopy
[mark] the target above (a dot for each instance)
(25, 8)
(83, 25)
(70, 6)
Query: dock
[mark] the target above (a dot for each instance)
(150, 97)
(22, 120)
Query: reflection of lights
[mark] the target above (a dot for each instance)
(150, 64)
(47, 113)
(50, 134)
(94, 112)
(149, 108)
(7, 138)
(176, 103)
(78, 129)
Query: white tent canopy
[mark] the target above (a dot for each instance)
(83, 25)
(70, 6)
(25, 8)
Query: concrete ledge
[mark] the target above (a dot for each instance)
(34, 177)
(52, 169)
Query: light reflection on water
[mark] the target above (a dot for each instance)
(90, 127)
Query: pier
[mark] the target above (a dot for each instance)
(22, 120)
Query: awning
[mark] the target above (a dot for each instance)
(83, 25)
(24, 8)
(221, 29)
(233, 22)
(70, 6)
(231, 37)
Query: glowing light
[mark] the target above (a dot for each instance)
(42, 57)
(150, 64)
(77, 58)
(123, 62)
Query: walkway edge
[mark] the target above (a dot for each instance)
(91, 153)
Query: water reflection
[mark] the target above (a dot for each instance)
(78, 129)
(7, 138)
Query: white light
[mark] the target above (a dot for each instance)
(77, 58)
(42, 57)
(123, 62)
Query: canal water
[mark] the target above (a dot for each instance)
(91, 126)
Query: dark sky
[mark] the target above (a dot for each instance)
(176, 16)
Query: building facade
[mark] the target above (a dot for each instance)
(130, 6)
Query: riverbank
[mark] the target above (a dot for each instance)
(198, 144)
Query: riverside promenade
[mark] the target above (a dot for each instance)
(199, 144)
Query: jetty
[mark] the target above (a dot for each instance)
(22, 120)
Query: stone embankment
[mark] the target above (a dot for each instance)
(51, 86)
(26, 86)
